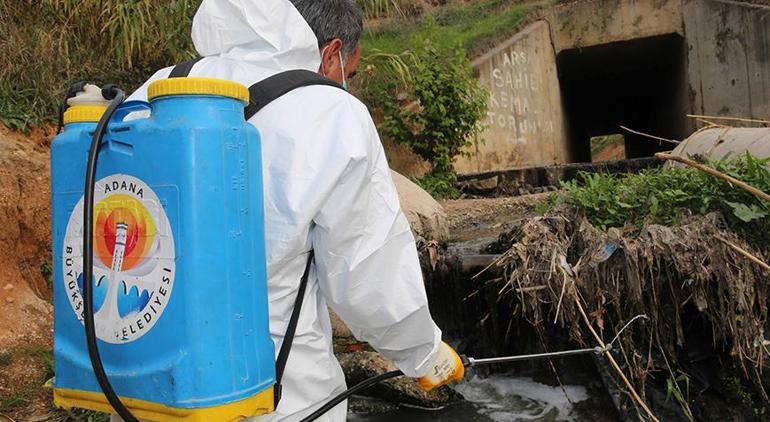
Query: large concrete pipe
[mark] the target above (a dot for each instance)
(719, 142)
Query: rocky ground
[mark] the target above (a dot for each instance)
(466, 217)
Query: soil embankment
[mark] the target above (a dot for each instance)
(26, 320)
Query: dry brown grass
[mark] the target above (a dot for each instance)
(46, 45)
(674, 275)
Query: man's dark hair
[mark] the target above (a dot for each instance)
(330, 19)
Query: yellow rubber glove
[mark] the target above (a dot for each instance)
(448, 367)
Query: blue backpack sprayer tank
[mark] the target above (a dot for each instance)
(160, 254)
(172, 216)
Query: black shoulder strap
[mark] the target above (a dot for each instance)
(266, 91)
(291, 330)
(183, 69)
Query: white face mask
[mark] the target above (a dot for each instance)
(342, 69)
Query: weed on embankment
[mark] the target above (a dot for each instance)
(47, 45)
(476, 26)
(666, 195)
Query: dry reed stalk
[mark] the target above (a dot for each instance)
(729, 179)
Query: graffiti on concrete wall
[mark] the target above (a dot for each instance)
(512, 85)
(524, 120)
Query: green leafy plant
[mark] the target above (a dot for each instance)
(476, 26)
(665, 195)
(441, 186)
(437, 112)
(44, 356)
(381, 75)
(97, 416)
(22, 395)
(47, 272)
(17, 399)
(674, 389)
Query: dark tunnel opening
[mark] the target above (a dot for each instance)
(640, 84)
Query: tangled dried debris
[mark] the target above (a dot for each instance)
(665, 272)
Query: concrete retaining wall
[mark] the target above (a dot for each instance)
(524, 125)
(587, 23)
(729, 51)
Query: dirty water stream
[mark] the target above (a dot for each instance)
(498, 398)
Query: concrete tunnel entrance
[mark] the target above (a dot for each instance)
(640, 84)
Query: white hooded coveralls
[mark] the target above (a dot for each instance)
(327, 187)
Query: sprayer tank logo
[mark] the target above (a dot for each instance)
(134, 259)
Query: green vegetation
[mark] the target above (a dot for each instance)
(24, 394)
(18, 399)
(437, 112)
(666, 195)
(47, 272)
(5, 359)
(86, 416)
(737, 392)
(601, 143)
(475, 26)
(439, 186)
(44, 356)
(674, 390)
(374, 9)
(49, 44)
(417, 78)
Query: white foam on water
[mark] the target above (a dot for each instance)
(504, 398)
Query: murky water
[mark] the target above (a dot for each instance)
(498, 398)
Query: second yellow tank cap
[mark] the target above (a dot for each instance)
(83, 114)
(197, 86)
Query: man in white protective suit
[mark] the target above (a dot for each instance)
(327, 188)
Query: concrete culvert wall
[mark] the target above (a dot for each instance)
(589, 66)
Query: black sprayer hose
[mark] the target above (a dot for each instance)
(363, 385)
(116, 97)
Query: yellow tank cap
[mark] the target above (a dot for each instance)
(197, 86)
(83, 114)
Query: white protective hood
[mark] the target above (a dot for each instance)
(267, 33)
(327, 187)
(250, 40)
